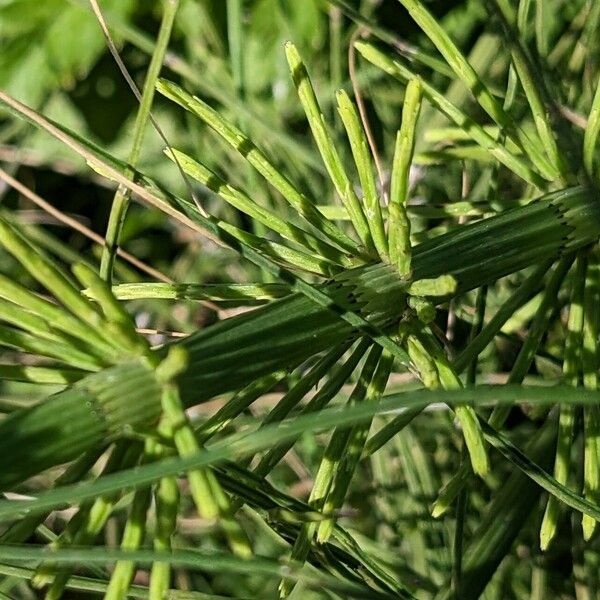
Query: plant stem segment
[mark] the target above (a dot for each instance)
(283, 334)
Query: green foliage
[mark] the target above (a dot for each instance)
(322, 327)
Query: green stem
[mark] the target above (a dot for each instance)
(121, 198)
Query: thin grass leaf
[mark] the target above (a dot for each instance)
(394, 68)
(536, 331)
(194, 559)
(542, 13)
(297, 392)
(528, 289)
(506, 515)
(388, 431)
(236, 406)
(328, 468)
(87, 523)
(356, 443)
(327, 150)
(337, 379)
(539, 475)
(241, 444)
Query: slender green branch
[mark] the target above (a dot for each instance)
(121, 199)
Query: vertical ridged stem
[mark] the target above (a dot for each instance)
(364, 166)
(166, 498)
(133, 536)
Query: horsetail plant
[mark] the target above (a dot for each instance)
(362, 294)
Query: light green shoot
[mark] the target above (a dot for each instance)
(522, 363)
(531, 86)
(398, 222)
(513, 81)
(166, 498)
(210, 499)
(244, 203)
(217, 292)
(466, 415)
(542, 12)
(52, 278)
(364, 166)
(440, 286)
(456, 60)
(424, 309)
(133, 537)
(41, 375)
(121, 199)
(15, 315)
(324, 142)
(511, 160)
(423, 362)
(591, 465)
(281, 254)
(248, 150)
(52, 348)
(119, 321)
(49, 312)
(592, 130)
